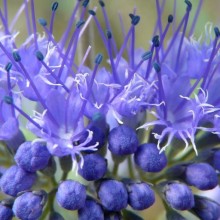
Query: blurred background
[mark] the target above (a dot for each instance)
(145, 8)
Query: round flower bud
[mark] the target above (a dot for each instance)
(94, 167)
(140, 196)
(148, 158)
(122, 140)
(113, 195)
(5, 212)
(92, 210)
(32, 156)
(179, 196)
(15, 180)
(71, 195)
(201, 175)
(29, 205)
(206, 209)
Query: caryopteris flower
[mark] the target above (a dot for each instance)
(101, 135)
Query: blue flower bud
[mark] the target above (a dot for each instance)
(5, 212)
(71, 195)
(32, 156)
(140, 196)
(113, 195)
(148, 158)
(122, 140)
(179, 196)
(94, 167)
(28, 206)
(206, 209)
(15, 180)
(201, 175)
(92, 210)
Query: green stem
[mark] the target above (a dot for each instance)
(49, 206)
(130, 168)
(115, 169)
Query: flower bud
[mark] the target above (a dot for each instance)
(94, 167)
(71, 195)
(113, 195)
(201, 175)
(5, 212)
(140, 196)
(123, 140)
(178, 195)
(148, 158)
(29, 205)
(15, 180)
(32, 156)
(91, 210)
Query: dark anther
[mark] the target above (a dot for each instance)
(39, 55)
(156, 41)
(147, 55)
(16, 56)
(109, 34)
(157, 67)
(55, 6)
(170, 18)
(8, 66)
(98, 58)
(42, 22)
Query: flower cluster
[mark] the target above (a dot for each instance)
(155, 111)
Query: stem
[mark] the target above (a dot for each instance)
(130, 168)
(115, 169)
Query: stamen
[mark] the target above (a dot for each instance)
(9, 100)
(189, 6)
(27, 17)
(108, 26)
(40, 57)
(134, 21)
(34, 23)
(8, 68)
(4, 22)
(98, 60)
(195, 18)
(161, 89)
(5, 12)
(69, 26)
(17, 58)
(54, 8)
